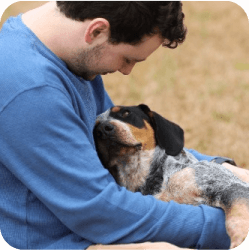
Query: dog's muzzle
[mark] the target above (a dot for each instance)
(104, 130)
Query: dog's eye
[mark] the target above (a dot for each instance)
(126, 113)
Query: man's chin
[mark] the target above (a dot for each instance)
(87, 77)
(90, 78)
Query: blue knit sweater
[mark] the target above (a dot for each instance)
(54, 192)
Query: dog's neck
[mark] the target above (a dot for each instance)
(154, 180)
(132, 172)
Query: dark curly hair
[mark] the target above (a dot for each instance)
(130, 21)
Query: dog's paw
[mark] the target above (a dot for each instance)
(237, 236)
(237, 230)
(237, 223)
(236, 243)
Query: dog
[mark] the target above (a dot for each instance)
(145, 153)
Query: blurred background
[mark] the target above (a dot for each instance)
(203, 84)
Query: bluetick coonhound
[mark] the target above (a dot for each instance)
(145, 152)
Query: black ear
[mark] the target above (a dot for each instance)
(169, 135)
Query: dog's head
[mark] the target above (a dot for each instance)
(122, 131)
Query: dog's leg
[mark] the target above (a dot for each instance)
(214, 185)
(221, 188)
(237, 222)
(182, 188)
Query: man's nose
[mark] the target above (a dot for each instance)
(127, 69)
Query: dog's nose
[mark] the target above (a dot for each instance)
(104, 130)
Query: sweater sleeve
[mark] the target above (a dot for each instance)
(46, 146)
(199, 156)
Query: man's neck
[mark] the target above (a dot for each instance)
(59, 33)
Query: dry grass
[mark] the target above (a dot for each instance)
(203, 85)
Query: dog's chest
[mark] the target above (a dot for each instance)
(133, 172)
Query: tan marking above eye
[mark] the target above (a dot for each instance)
(150, 114)
(115, 109)
(144, 135)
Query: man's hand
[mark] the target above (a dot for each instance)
(241, 173)
(144, 246)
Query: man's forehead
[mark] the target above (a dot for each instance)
(152, 42)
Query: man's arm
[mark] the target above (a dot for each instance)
(201, 157)
(48, 148)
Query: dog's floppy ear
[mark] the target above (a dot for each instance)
(169, 135)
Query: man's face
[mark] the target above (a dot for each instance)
(108, 58)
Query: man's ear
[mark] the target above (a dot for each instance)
(97, 28)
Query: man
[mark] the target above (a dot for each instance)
(55, 193)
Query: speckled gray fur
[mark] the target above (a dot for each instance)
(219, 185)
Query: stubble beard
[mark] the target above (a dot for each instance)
(82, 61)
